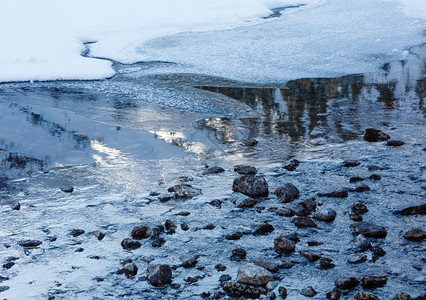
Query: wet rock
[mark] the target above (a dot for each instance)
(314, 243)
(170, 226)
(184, 226)
(375, 177)
(285, 212)
(79, 250)
(375, 135)
(355, 216)
(185, 191)
(306, 207)
(236, 289)
(326, 263)
(8, 265)
(394, 143)
(220, 267)
(267, 264)
(311, 257)
(325, 216)
(334, 294)
(4, 288)
(254, 275)
(403, 296)
(98, 234)
(251, 185)
(303, 222)
(234, 236)
(341, 193)
(377, 252)
(141, 232)
(294, 163)
(415, 235)
(372, 282)
(271, 295)
(346, 283)
(238, 254)
(369, 230)
(282, 291)
(129, 269)
(191, 279)
(245, 203)
(414, 210)
(77, 232)
(351, 163)
(216, 203)
(359, 208)
(159, 275)
(29, 244)
(287, 193)
(361, 243)
(16, 206)
(224, 278)
(3, 278)
(250, 142)
(189, 262)
(213, 170)
(356, 179)
(365, 296)
(308, 292)
(130, 244)
(263, 229)
(183, 213)
(292, 237)
(156, 231)
(283, 245)
(165, 197)
(158, 242)
(209, 227)
(361, 188)
(67, 189)
(245, 170)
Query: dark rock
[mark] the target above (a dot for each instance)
(294, 163)
(29, 244)
(346, 283)
(245, 170)
(302, 222)
(372, 282)
(183, 213)
(355, 216)
(361, 243)
(254, 275)
(213, 170)
(375, 135)
(98, 234)
(326, 263)
(165, 197)
(158, 242)
(365, 296)
(220, 267)
(250, 142)
(16, 206)
(285, 212)
(238, 254)
(77, 232)
(414, 210)
(130, 244)
(190, 262)
(209, 227)
(184, 226)
(263, 229)
(3, 278)
(159, 275)
(375, 177)
(282, 291)
(341, 193)
(314, 243)
(283, 245)
(334, 294)
(325, 216)
(156, 231)
(359, 208)
(8, 265)
(79, 250)
(205, 295)
(4, 288)
(378, 251)
(169, 225)
(287, 193)
(184, 191)
(394, 143)
(308, 292)
(224, 278)
(305, 207)
(141, 232)
(234, 236)
(369, 230)
(267, 264)
(356, 179)
(311, 257)
(251, 185)
(129, 269)
(292, 237)
(271, 295)
(403, 296)
(67, 189)
(236, 289)
(415, 235)
(245, 203)
(286, 265)
(351, 163)
(216, 203)
(191, 279)
(361, 188)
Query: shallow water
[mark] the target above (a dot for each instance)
(118, 140)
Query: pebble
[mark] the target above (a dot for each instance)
(234, 236)
(365, 296)
(67, 189)
(369, 230)
(220, 267)
(282, 291)
(359, 208)
(329, 215)
(284, 245)
(403, 296)
(16, 206)
(141, 232)
(98, 234)
(287, 193)
(308, 292)
(311, 257)
(334, 294)
(158, 242)
(130, 244)
(346, 283)
(213, 170)
(263, 229)
(77, 232)
(326, 263)
(245, 203)
(303, 222)
(129, 269)
(159, 275)
(238, 254)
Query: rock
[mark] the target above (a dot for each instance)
(314, 243)
(141, 232)
(159, 275)
(130, 244)
(185, 191)
(79, 250)
(220, 267)
(158, 242)
(213, 170)
(236, 289)
(189, 262)
(365, 296)
(394, 143)
(372, 282)
(29, 244)
(351, 163)
(311, 257)
(165, 197)
(238, 254)
(263, 229)
(292, 237)
(375, 177)
(8, 265)
(308, 292)
(224, 278)
(305, 207)
(375, 135)
(98, 234)
(294, 163)
(209, 227)
(287, 193)
(245, 203)
(369, 230)
(245, 170)
(254, 275)
(414, 210)
(183, 213)
(282, 291)
(67, 189)
(184, 226)
(355, 216)
(403, 296)
(251, 185)
(357, 259)
(271, 295)
(267, 264)
(170, 226)
(334, 294)
(361, 243)
(361, 188)
(325, 216)
(326, 263)
(303, 222)
(359, 208)
(234, 236)
(250, 142)
(283, 245)
(415, 235)
(129, 269)
(77, 232)
(285, 212)
(377, 252)
(341, 193)
(356, 179)
(4, 288)
(3, 278)
(216, 203)
(346, 283)
(16, 206)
